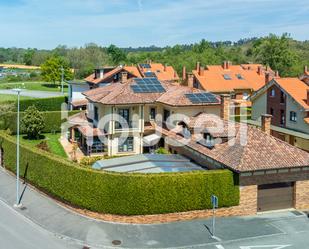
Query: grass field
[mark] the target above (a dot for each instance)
(8, 97)
(32, 85)
(52, 141)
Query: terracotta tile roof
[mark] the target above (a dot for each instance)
(84, 125)
(260, 152)
(213, 79)
(296, 88)
(81, 102)
(167, 73)
(117, 94)
(130, 69)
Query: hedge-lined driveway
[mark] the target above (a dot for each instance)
(32, 94)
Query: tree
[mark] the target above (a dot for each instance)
(51, 69)
(276, 52)
(28, 56)
(117, 55)
(32, 122)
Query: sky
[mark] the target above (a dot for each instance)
(46, 24)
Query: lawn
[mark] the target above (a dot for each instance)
(9, 97)
(33, 85)
(52, 140)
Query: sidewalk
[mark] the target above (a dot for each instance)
(64, 223)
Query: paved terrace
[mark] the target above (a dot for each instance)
(276, 230)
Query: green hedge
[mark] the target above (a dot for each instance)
(52, 121)
(122, 193)
(43, 104)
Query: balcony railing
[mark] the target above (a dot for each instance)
(129, 125)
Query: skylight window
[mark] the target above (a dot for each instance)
(240, 77)
(227, 77)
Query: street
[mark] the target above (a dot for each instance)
(42, 222)
(32, 93)
(17, 232)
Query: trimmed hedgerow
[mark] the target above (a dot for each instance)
(52, 120)
(122, 193)
(42, 104)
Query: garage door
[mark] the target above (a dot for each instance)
(275, 196)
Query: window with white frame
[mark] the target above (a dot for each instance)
(272, 93)
(293, 116)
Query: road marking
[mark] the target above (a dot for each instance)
(219, 246)
(266, 246)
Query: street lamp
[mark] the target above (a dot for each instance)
(62, 78)
(17, 204)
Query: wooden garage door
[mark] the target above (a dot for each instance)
(275, 196)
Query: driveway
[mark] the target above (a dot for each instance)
(288, 229)
(32, 93)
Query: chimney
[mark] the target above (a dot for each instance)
(165, 67)
(190, 80)
(228, 64)
(277, 74)
(305, 69)
(224, 65)
(307, 96)
(124, 77)
(197, 66)
(202, 70)
(267, 77)
(259, 71)
(225, 106)
(184, 73)
(266, 122)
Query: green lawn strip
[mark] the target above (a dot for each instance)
(52, 142)
(34, 85)
(9, 97)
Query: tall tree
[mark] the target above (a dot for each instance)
(52, 70)
(117, 54)
(276, 52)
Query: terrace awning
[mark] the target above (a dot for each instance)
(151, 140)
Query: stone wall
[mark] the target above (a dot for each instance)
(302, 195)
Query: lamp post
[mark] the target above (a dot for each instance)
(17, 204)
(62, 78)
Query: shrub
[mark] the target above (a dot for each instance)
(122, 193)
(32, 122)
(43, 146)
(89, 160)
(162, 150)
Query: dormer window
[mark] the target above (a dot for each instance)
(208, 140)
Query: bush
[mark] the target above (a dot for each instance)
(162, 151)
(52, 121)
(89, 160)
(121, 193)
(32, 122)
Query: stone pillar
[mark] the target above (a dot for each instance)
(301, 194)
(72, 135)
(124, 77)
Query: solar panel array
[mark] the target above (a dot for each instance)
(198, 98)
(145, 65)
(150, 74)
(148, 85)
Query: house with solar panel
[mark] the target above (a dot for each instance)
(239, 81)
(143, 103)
(104, 76)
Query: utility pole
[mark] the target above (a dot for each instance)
(17, 204)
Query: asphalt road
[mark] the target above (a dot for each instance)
(17, 232)
(43, 222)
(32, 93)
